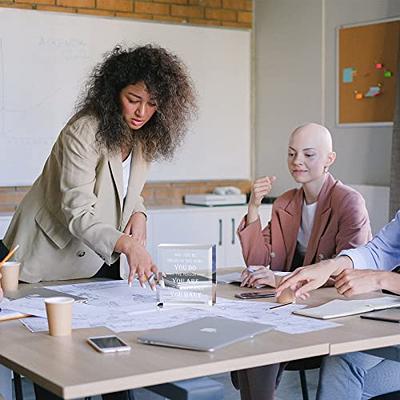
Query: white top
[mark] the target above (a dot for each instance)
(307, 222)
(126, 171)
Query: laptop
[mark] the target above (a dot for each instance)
(205, 334)
(40, 292)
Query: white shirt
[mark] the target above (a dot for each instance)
(307, 222)
(126, 171)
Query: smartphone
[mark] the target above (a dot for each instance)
(254, 295)
(108, 344)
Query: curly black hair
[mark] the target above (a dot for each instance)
(166, 80)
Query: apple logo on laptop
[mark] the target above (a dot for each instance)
(208, 330)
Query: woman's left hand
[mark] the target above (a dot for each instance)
(136, 227)
(351, 281)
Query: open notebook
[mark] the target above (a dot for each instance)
(342, 308)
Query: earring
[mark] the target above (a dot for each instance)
(326, 169)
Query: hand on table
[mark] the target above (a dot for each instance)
(351, 282)
(257, 276)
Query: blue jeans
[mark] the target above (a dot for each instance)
(357, 376)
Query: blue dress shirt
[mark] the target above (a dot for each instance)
(382, 252)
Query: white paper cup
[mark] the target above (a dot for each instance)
(287, 296)
(59, 315)
(10, 276)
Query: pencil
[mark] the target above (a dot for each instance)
(8, 256)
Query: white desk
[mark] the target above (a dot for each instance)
(70, 368)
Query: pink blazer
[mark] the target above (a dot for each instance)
(341, 222)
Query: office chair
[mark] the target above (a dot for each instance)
(302, 366)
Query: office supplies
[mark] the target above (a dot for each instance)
(206, 334)
(342, 308)
(210, 200)
(390, 315)
(254, 295)
(9, 255)
(279, 305)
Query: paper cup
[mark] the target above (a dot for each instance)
(287, 296)
(10, 276)
(59, 315)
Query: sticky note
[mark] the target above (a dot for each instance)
(348, 75)
(359, 96)
(373, 91)
(378, 65)
(387, 74)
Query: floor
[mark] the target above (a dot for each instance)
(289, 388)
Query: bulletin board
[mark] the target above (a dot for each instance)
(367, 72)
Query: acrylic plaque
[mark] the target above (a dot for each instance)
(189, 272)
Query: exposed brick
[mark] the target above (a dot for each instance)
(221, 14)
(116, 5)
(19, 6)
(245, 16)
(36, 1)
(249, 5)
(210, 22)
(235, 4)
(194, 2)
(167, 18)
(211, 3)
(187, 11)
(91, 11)
(133, 15)
(56, 9)
(173, 1)
(77, 3)
(151, 8)
(236, 25)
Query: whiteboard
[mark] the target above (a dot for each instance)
(45, 58)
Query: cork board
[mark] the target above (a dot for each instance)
(368, 58)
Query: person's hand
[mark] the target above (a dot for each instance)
(136, 227)
(256, 276)
(305, 279)
(261, 188)
(139, 260)
(351, 282)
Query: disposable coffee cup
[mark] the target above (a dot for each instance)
(10, 276)
(59, 315)
(287, 296)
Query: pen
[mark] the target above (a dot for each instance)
(279, 305)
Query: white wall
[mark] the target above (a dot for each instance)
(295, 83)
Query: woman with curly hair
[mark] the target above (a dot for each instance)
(86, 209)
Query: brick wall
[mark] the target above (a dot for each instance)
(227, 13)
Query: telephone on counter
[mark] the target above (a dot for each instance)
(226, 190)
(221, 196)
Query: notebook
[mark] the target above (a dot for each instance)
(205, 334)
(342, 308)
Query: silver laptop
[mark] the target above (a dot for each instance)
(205, 334)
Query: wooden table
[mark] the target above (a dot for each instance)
(70, 368)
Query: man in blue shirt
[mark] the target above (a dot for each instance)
(361, 270)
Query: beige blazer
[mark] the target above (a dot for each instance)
(341, 222)
(67, 225)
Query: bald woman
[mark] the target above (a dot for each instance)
(309, 224)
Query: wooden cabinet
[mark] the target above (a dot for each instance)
(201, 225)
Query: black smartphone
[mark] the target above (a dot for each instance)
(254, 295)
